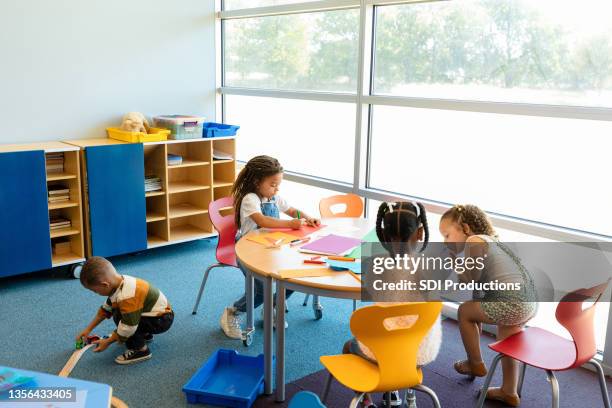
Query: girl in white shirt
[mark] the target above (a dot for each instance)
(258, 205)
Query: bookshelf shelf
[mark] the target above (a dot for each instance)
(185, 186)
(63, 232)
(63, 204)
(154, 193)
(153, 217)
(189, 163)
(185, 209)
(60, 176)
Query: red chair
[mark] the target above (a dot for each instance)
(542, 349)
(226, 226)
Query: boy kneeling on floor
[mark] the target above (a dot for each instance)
(139, 309)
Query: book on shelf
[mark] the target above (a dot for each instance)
(174, 159)
(55, 162)
(59, 199)
(58, 191)
(59, 223)
(221, 155)
(152, 183)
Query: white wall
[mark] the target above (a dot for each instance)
(70, 68)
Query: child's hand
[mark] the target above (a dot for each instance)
(313, 222)
(297, 223)
(82, 334)
(102, 344)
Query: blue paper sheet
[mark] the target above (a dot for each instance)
(355, 266)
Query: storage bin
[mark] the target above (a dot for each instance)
(227, 379)
(156, 135)
(181, 126)
(212, 129)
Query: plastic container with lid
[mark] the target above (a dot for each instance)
(181, 126)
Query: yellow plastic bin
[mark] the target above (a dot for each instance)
(156, 135)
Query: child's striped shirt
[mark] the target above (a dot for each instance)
(134, 298)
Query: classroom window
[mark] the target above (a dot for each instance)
(313, 51)
(308, 137)
(540, 51)
(548, 170)
(238, 4)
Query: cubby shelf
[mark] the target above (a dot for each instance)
(60, 176)
(153, 217)
(221, 161)
(218, 184)
(185, 210)
(66, 259)
(189, 163)
(154, 193)
(63, 232)
(64, 204)
(185, 186)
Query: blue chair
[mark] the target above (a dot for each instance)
(305, 399)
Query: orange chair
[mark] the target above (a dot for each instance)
(353, 209)
(395, 351)
(542, 349)
(353, 203)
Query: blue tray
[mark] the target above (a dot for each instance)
(227, 379)
(212, 129)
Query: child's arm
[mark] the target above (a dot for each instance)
(475, 247)
(264, 221)
(99, 318)
(296, 213)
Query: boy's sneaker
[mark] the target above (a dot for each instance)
(148, 337)
(262, 318)
(396, 400)
(133, 356)
(230, 323)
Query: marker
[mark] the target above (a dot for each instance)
(341, 258)
(299, 241)
(310, 261)
(298, 212)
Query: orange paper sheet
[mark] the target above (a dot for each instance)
(268, 238)
(306, 273)
(300, 233)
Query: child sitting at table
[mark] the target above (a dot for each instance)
(258, 205)
(139, 309)
(399, 227)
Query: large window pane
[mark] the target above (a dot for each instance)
(239, 4)
(537, 51)
(543, 169)
(314, 51)
(315, 138)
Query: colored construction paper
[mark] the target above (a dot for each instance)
(331, 245)
(369, 237)
(299, 233)
(344, 265)
(306, 273)
(269, 238)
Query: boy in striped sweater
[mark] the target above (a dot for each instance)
(139, 309)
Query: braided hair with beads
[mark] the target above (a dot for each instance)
(397, 222)
(256, 169)
(473, 217)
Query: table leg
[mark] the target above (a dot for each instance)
(280, 341)
(268, 316)
(249, 284)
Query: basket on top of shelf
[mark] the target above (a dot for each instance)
(156, 135)
(181, 126)
(212, 129)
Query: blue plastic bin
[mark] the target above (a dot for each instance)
(212, 129)
(227, 379)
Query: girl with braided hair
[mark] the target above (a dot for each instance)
(399, 227)
(468, 232)
(258, 205)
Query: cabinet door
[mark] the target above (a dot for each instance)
(25, 243)
(117, 208)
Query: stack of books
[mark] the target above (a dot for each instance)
(59, 223)
(55, 162)
(174, 159)
(58, 194)
(152, 183)
(221, 155)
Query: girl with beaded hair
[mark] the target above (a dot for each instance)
(468, 232)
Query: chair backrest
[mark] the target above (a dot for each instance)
(354, 206)
(579, 321)
(395, 350)
(226, 227)
(305, 399)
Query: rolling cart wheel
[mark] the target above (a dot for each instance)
(248, 340)
(318, 314)
(75, 270)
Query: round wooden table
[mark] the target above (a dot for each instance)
(265, 264)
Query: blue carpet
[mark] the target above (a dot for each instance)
(42, 312)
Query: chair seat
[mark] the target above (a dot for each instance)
(352, 371)
(538, 348)
(227, 255)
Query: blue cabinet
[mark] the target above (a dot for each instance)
(117, 207)
(25, 245)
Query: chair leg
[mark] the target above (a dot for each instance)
(429, 392)
(327, 388)
(197, 303)
(356, 400)
(354, 305)
(521, 378)
(602, 382)
(487, 382)
(306, 299)
(554, 384)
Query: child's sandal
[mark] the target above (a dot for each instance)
(470, 369)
